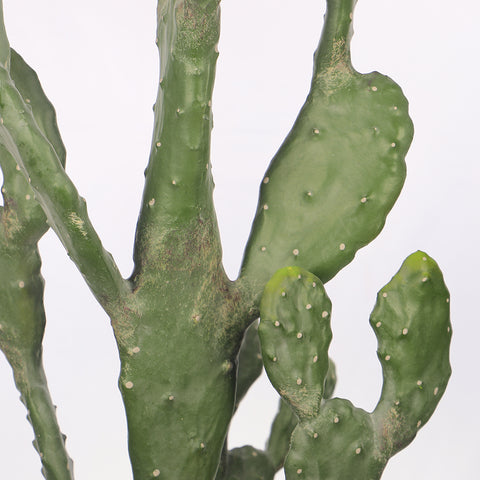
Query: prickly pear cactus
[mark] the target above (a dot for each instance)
(188, 355)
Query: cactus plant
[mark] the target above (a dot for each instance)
(181, 325)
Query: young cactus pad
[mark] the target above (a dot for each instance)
(336, 440)
(295, 335)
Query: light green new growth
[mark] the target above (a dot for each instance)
(188, 353)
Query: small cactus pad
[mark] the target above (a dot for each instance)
(295, 334)
(411, 320)
(338, 444)
(330, 186)
(28, 84)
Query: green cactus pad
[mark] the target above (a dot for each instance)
(329, 188)
(295, 334)
(248, 463)
(337, 444)
(330, 380)
(412, 323)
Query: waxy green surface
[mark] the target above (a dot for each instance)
(179, 321)
(412, 323)
(337, 444)
(248, 463)
(338, 173)
(295, 335)
(250, 363)
(22, 315)
(411, 320)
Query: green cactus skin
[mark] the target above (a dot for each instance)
(248, 463)
(4, 44)
(339, 443)
(278, 443)
(295, 334)
(178, 320)
(412, 323)
(349, 141)
(250, 364)
(22, 315)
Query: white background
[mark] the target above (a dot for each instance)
(98, 64)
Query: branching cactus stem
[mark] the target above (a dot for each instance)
(186, 334)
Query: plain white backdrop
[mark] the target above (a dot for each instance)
(98, 64)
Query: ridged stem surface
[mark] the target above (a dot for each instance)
(28, 141)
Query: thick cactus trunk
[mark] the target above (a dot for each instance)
(178, 361)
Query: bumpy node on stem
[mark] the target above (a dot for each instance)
(338, 172)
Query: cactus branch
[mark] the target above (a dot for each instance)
(22, 316)
(338, 173)
(179, 186)
(66, 211)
